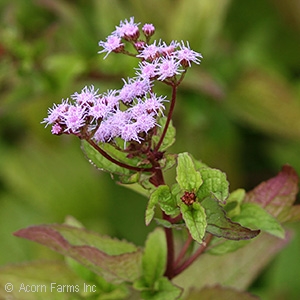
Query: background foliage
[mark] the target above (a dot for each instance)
(239, 111)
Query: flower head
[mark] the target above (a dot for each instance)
(151, 52)
(113, 44)
(186, 56)
(167, 68)
(148, 30)
(87, 96)
(133, 89)
(128, 30)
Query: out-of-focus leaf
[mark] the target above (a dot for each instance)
(218, 292)
(266, 103)
(54, 280)
(45, 277)
(223, 246)
(116, 261)
(277, 194)
(233, 202)
(163, 289)
(169, 138)
(154, 257)
(255, 217)
(186, 175)
(237, 269)
(195, 220)
(214, 183)
(221, 226)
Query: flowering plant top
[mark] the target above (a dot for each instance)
(127, 132)
(131, 112)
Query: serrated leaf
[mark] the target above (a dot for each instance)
(167, 202)
(255, 217)
(220, 225)
(150, 210)
(154, 257)
(163, 289)
(116, 261)
(162, 196)
(186, 175)
(169, 138)
(195, 220)
(214, 183)
(277, 194)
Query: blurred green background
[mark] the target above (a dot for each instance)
(239, 111)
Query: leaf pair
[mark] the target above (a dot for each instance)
(197, 196)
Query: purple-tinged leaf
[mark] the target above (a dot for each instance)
(50, 280)
(277, 194)
(114, 260)
(236, 269)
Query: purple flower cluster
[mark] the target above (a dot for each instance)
(131, 112)
(100, 116)
(160, 61)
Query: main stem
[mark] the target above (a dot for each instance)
(157, 180)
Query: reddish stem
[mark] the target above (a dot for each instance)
(183, 251)
(113, 160)
(191, 259)
(172, 106)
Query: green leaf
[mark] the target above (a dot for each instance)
(102, 163)
(255, 217)
(226, 270)
(195, 220)
(233, 202)
(220, 225)
(214, 183)
(44, 277)
(167, 201)
(116, 261)
(186, 175)
(150, 210)
(169, 137)
(163, 196)
(154, 257)
(223, 246)
(168, 224)
(164, 289)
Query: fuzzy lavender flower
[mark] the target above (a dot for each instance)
(151, 52)
(75, 118)
(147, 70)
(87, 96)
(186, 56)
(128, 30)
(148, 30)
(167, 68)
(134, 88)
(56, 113)
(113, 44)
